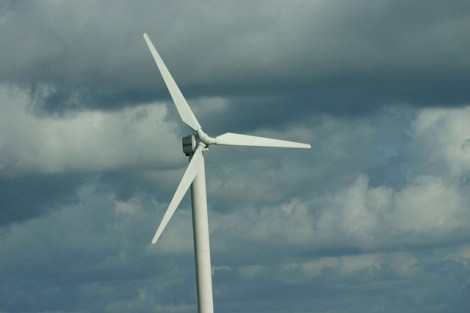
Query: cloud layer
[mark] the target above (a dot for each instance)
(328, 55)
(373, 219)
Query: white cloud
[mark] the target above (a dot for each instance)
(441, 139)
(86, 141)
(428, 209)
(429, 206)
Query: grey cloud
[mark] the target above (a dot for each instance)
(431, 202)
(398, 279)
(364, 245)
(373, 218)
(334, 55)
(73, 250)
(31, 196)
(45, 158)
(86, 141)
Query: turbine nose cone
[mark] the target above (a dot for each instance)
(206, 139)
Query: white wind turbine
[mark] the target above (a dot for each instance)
(193, 146)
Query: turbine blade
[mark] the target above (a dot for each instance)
(181, 105)
(188, 177)
(232, 139)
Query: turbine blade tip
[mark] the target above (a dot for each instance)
(155, 238)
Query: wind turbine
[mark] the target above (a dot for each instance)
(193, 146)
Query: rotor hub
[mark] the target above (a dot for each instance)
(191, 142)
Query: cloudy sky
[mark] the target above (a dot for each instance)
(374, 218)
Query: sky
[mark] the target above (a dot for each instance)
(374, 218)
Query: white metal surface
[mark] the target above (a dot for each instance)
(232, 139)
(195, 175)
(193, 168)
(181, 105)
(201, 242)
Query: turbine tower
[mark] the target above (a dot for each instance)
(193, 146)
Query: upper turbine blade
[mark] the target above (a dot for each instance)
(232, 139)
(181, 105)
(188, 177)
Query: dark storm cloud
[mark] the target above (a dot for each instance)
(22, 198)
(322, 55)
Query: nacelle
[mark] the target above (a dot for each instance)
(189, 144)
